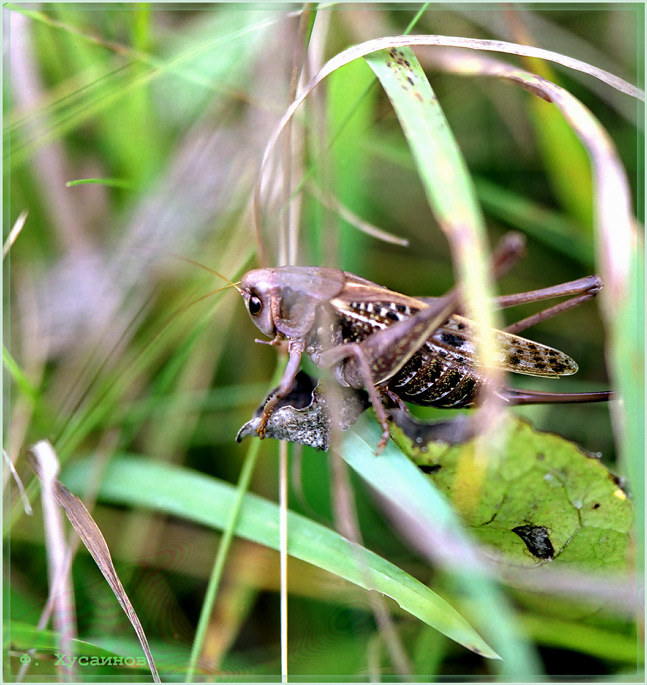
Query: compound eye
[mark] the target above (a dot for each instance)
(255, 305)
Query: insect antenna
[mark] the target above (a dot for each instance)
(150, 343)
(184, 308)
(204, 267)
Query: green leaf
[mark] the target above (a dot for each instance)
(195, 497)
(23, 636)
(539, 481)
(397, 479)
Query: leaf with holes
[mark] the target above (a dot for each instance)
(543, 499)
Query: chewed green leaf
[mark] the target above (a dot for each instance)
(544, 500)
(206, 500)
(429, 512)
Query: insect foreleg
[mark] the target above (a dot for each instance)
(580, 291)
(295, 350)
(355, 355)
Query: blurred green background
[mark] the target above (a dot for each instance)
(169, 109)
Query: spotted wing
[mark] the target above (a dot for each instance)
(368, 307)
(517, 354)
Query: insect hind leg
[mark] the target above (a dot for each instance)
(518, 397)
(454, 431)
(580, 291)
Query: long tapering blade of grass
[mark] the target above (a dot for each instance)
(445, 178)
(618, 249)
(452, 199)
(42, 458)
(370, 46)
(627, 360)
(25, 636)
(221, 558)
(208, 501)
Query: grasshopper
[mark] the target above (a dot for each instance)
(399, 348)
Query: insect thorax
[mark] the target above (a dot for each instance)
(434, 376)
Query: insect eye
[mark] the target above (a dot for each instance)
(255, 305)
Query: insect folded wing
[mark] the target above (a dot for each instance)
(516, 354)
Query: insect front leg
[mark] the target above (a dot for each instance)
(295, 350)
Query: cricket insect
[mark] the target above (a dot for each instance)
(399, 348)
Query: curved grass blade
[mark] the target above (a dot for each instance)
(452, 199)
(619, 252)
(370, 46)
(439, 534)
(201, 499)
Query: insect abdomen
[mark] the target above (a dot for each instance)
(429, 381)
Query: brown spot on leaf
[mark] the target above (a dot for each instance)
(537, 540)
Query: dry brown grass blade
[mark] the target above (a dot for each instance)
(94, 541)
(13, 473)
(61, 595)
(357, 222)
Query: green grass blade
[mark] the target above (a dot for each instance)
(396, 478)
(24, 636)
(209, 501)
(19, 378)
(587, 639)
(445, 178)
(627, 359)
(221, 558)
